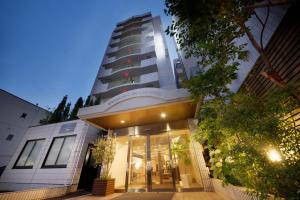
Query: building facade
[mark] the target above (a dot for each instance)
(150, 116)
(49, 156)
(16, 116)
(142, 107)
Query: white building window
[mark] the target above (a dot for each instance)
(59, 153)
(29, 154)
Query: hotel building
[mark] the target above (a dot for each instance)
(142, 107)
(151, 119)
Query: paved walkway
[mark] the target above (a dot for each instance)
(154, 196)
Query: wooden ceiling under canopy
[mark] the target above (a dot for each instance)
(147, 115)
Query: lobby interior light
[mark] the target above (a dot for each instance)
(274, 155)
(122, 121)
(163, 115)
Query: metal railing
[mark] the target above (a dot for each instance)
(123, 81)
(117, 68)
(130, 40)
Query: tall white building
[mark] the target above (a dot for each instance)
(141, 105)
(136, 57)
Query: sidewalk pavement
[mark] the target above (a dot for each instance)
(154, 196)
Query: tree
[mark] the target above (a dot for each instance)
(57, 115)
(66, 112)
(87, 101)
(208, 30)
(77, 106)
(98, 100)
(240, 131)
(104, 154)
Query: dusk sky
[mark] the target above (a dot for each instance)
(49, 48)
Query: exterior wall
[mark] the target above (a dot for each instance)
(165, 72)
(38, 177)
(41, 193)
(11, 122)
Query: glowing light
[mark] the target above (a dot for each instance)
(122, 121)
(274, 155)
(163, 115)
(138, 164)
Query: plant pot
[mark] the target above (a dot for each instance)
(186, 180)
(103, 187)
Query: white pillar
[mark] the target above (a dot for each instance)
(197, 149)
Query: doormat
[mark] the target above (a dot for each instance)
(145, 196)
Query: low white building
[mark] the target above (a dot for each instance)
(49, 156)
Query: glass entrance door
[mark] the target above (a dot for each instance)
(137, 164)
(149, 163)
(162, 175)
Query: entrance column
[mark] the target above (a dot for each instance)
(173, 171)
(128, 163)
(198, 152)
(149, 164)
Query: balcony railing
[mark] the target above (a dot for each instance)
(114, 69)
(126, 52)
(123, 81)
(130, 40)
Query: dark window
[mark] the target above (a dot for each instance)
(23, 115)
(59, 152)
(9, 137)
(29, 154)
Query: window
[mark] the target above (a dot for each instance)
(24, 115)
(70, 127)
(59, 153)
(9, 137)
(29, 154)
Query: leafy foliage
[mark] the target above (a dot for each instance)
(180, 151)
(57, 115)
(66, 111)
(89, 101)
(240, 131)
(78, 105)
(104, 152)
(208, 30)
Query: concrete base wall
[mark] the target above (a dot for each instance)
(42, 193)
(231, 192)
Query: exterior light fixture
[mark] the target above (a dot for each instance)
(274, 155)
(122, 121)
(163, 115)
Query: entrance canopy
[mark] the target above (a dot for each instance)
(140, 107)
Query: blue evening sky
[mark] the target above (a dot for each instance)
(49, 48)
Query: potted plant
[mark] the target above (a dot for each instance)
(179, 150)
(103, 153)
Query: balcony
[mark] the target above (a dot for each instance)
(136, 68)
(125, 41)
(137, 51)
(130, 48)
(113, 88)
(134, 23)
(133, 31)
